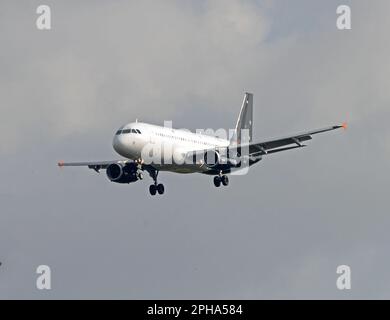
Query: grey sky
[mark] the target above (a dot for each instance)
(277, 233)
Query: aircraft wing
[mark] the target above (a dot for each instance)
(286, 143)
(96, 165)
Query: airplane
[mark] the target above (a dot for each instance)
(194, 152)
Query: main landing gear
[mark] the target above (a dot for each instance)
(156, 187)
(221, 179)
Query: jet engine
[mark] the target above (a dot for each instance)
(212, 158)
(215, 160)
(123, 173)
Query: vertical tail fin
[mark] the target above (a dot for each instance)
(245, 119)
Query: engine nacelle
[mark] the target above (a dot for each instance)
(217, 161)
(212, 158)
(122, 173)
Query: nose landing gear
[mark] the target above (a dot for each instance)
(156, 187)
(160, 188)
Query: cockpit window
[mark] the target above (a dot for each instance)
(125, 131)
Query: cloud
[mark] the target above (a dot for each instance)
(279, 232)
(107, 61)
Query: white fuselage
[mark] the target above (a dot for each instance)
(136, 140)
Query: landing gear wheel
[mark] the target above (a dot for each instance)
(156, 187)
(152, 189)
(225, 180)
(217, 181)
(160, 188)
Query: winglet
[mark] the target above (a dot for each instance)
(61, 164)
(344, 125)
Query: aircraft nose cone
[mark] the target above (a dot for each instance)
(118, 144)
